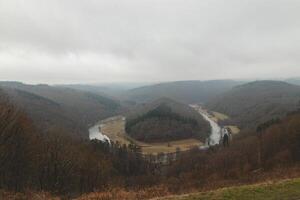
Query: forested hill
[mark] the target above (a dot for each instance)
(182, 91)
(166, 120)
(295, 81)
(253, 103)
(60, 108)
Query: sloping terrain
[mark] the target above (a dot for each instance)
(52, 107)
(182, 91)
(166, 120)
(295, 81)
(105, 89)
(283, 190)
(257, 102)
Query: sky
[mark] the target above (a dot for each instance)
(95, 41)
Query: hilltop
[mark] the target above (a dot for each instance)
(182, 91)
(166, 120)
(253, 103)
(60, 108)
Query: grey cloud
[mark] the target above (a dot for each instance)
(141, 40)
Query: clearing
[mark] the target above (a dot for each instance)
(234, 129)
(216, 116)
(219, 116)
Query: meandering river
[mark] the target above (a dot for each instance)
(215, 134)
(214, 139)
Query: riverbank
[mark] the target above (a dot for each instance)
(113, 129)
(215, 135)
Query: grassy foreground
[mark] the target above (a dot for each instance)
(283, 190)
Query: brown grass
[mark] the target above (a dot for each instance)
(115, 130)
(219, 116)
(28, 195)
(170, 147)
(122, 194)
(234, 129)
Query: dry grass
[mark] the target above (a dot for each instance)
(170, 147)
(216, 116)
(115, 130)
(29, 195)
(219, 116)
(283, 190)
(234, 129)
(122, 194)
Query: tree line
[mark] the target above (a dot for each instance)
(162, 124)
(62, 164)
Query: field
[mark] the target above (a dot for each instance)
(169, 147)
(216, 116)
(234, 129)
(114, 129)
(219, 116)
(283, 190)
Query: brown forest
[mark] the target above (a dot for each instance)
(162, 124)
(62, 165)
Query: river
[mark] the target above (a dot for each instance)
(215, 134)
(95, 133)
(214, 138)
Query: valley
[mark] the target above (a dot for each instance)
(113, 129)
(149, 100)
(148, 149)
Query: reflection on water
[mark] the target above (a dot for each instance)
(95, 133)
(215, 134)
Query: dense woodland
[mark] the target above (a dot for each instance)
(182, 91)
(59, 163)
(59, 107)
(162, 124)
(254, 103)
(251, 156)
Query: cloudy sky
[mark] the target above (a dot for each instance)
(78, 41)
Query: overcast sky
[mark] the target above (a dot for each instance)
(89, 41)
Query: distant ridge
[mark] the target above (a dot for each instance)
(183, 91)
(256, 102)
(54, 107)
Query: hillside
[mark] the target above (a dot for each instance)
(182, 91)
(295, 81)
(284, 190)
(253, 103)
(112, 90)
(54, 107)
(166, 120)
